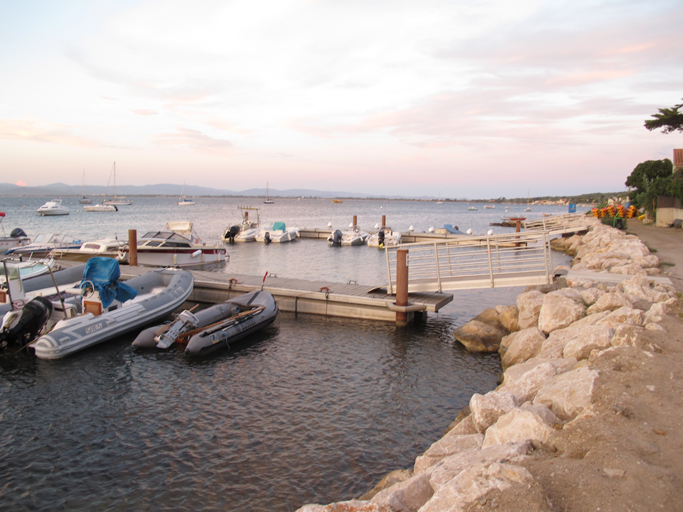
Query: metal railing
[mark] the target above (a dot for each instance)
(570, 221)
(513, 259)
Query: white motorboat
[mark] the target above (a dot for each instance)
(107, 247)
(117, 201)
(489, 206)
(214, 327)
(29, 268)
(473, 208)
(16, 238)
(52, 208)
(176, 246)
(44, 244)
(100, 208)
(247, 230)
(139, 301)
(385, 237)
(278, 233)
(354, 237)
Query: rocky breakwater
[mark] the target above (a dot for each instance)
(565, 422)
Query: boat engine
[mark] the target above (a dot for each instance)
(231, 233)
(21, 327)
(18, 233)
(380, 238)
(266, 238)
(337, 238)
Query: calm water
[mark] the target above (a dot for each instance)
(311, 409)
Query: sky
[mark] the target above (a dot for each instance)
(450, 99)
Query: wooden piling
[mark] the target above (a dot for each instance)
(355, 220)
(402, 285)
(133, 247)
(384, 221)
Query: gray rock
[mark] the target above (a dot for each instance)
(486, 409)
(477, 336)
(406, 496)
(524, 345)
(448, 445)
(569, 394)
(529, 306)
(518, 425)
(558, 311)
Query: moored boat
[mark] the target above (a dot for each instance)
(44, 243)
(53, 208)
(111, 313)
(100, 208)
(277, 233)
(385, 237)
(248, 229)
(16, 238)
(354, 237)
(107, 247)
(175, 247)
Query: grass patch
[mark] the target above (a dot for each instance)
(666, 264)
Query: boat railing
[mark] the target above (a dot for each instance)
(513, 259)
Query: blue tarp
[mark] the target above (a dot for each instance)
(104, 273)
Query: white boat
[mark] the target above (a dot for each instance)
(268, 200)
(473, 208)
(213, 327)
(278, 233)
(184, 201)
(16, 238)
(51, 208)
(247, 230)
(29, 268)
(175, 247)
(100, 208)
(107, 247)
(154, 295)
(527, 209)
(385, 237)
(489, 206)
(354, 237)
(117, 201)
(44, 244)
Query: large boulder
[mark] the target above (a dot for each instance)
(477, 336)
(528, 385)
(490, 316)
(445, 447)
(591, 295)
(518, 425)
(625, 315)
(589, 338)
(569, 394)
(347, 506)
(639, 286)
(480, 483)
(630, 336)
(393, 477)
(559, 311)
(525, 344)
(406, 496)
(529, 306)
(486, 409)
(509, 317)
(609, 302)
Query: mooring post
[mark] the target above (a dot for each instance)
(401, 285)
(133, 247)
(355, 220)
(384, 221)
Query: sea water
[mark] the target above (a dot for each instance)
(311, 409)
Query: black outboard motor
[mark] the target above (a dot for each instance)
(266, 238)
(231, 233)
(380, 238)
(336, 239)
(18, 233)
(34, 316)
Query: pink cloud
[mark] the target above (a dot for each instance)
(42, 131)
(145, 112)
(195, 140)
(20, 183)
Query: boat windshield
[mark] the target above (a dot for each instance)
(165, 235)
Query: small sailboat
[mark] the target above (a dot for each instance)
(117, 201)
(83, 199)
(184, 201)
(268, 199)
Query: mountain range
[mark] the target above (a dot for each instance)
(164, 189)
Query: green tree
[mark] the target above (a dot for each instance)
(646, 172)
(669, 119)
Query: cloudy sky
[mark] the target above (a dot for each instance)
(457, 98)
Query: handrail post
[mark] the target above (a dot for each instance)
(546, 245)
(488, 251)
(390, 286)
(438, 270)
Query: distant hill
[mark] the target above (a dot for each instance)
(164, 189)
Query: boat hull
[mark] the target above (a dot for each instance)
(232, 330)
(76, 334)
(149, 257)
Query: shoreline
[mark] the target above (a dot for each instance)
(579, 420)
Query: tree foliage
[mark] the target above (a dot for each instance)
(669, 119)
(645, 172)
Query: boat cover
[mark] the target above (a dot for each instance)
(104, 273)
(279, 226)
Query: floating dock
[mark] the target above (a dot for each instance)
(304, 296)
